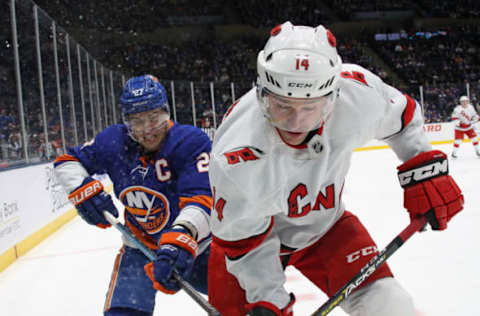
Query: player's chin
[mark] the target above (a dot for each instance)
(151, 144)
(294, 138)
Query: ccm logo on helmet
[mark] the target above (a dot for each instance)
(300, 85)
(419, 174)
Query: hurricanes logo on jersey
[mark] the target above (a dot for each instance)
(150, 208)
(242, 155)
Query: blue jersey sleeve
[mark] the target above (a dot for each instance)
(96, 155)
(191, 160)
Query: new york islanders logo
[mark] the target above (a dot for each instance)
(150, 208)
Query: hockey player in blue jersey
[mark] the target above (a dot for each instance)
(159, 171)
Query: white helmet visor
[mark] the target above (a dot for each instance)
(297, 115)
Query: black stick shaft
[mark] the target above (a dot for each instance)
(371, 267)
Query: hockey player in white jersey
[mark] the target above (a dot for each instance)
(464, 116)
(278, 167)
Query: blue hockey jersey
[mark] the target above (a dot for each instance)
(154, 188)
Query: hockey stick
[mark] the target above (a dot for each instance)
(152, 256)
(414, 226)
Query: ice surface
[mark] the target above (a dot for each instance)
(68, 274)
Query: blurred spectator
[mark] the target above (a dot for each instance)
(46, 150)
(15, 145)
(346, 8)
(268, 13)
(454, 9)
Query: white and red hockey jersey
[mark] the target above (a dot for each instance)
(464, 118)
(270, 195)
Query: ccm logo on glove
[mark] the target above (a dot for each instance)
(428, 189)
(419, 174)
(84, 193)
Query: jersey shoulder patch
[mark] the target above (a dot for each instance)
(242, 155)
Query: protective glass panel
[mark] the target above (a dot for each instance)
(9, 111)
(183, 101)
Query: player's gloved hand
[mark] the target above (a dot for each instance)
(91, 200)
(177, 251)
(429, 190)
(263, 308)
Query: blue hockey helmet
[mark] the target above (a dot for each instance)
(143, 93)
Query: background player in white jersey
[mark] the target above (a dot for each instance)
(464, 116)
(159, 170)
(278, 166)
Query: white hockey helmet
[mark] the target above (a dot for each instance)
(299, 63)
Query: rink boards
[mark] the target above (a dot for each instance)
(33, 205)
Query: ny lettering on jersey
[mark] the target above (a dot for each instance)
(150, 208)
(297, 207)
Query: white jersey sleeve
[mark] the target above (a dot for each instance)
(386, 113)
(456, 113)
(474, 115)
(70, 175)
(402, 125)
(410, 140)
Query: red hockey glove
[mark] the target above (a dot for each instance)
(429, 190)
(263, 308)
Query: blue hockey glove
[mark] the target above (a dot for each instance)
(177, 251)
(91, 200)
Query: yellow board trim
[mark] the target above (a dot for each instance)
(12, 254)
(9, 256)
(37, 237)
(437, 142)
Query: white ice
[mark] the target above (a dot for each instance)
(68, 273)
